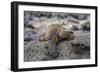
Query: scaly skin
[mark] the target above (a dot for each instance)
(56, 33)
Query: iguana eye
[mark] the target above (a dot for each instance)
(71, 32)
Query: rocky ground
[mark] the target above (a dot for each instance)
(36, 23)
